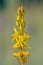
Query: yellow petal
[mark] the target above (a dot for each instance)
(16, 31)
(19, 10)
(21, 45)
(25, 53)
(22, 10)
(21, 27)
(16, 54)
(25, 44)
(22, 20)
(12, 39)
(16, 46)
(17, 23)
(18, 17)
(26, 35)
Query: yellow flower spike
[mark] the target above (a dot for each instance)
(20, 37)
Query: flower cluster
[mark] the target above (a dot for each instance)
(20, 18)
(20, 37)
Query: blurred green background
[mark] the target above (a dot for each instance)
(34, 26)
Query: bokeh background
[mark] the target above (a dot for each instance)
(34, 26)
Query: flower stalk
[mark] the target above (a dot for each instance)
(20, 37)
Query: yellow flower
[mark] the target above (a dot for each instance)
(18, 18)
(25, 53)
(17, 23)
(22, 53)
(16, 54)
(20, 45)
(26, 36)
(21, 26)
(25, 44)
(19, 42)
(20, 37)
(16, 46)
(19, 10)
(15, 34)
(22, 10)
(22, 19)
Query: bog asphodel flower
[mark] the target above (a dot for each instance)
(22, 53)
(17, 23)
(20, 37)
(15, 34)
(19, 10)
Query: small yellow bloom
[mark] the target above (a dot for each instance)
(19, 10)
(16, 54)
(21, 27)
(17, 23)
(26, 35)
(20, 41)
(22, 10)
(16, 31)
(18, 18)
(15, 34)
(21, 38)
(16, 46)
(25, 53)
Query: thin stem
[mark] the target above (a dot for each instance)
(21, 62)
(20, 58)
